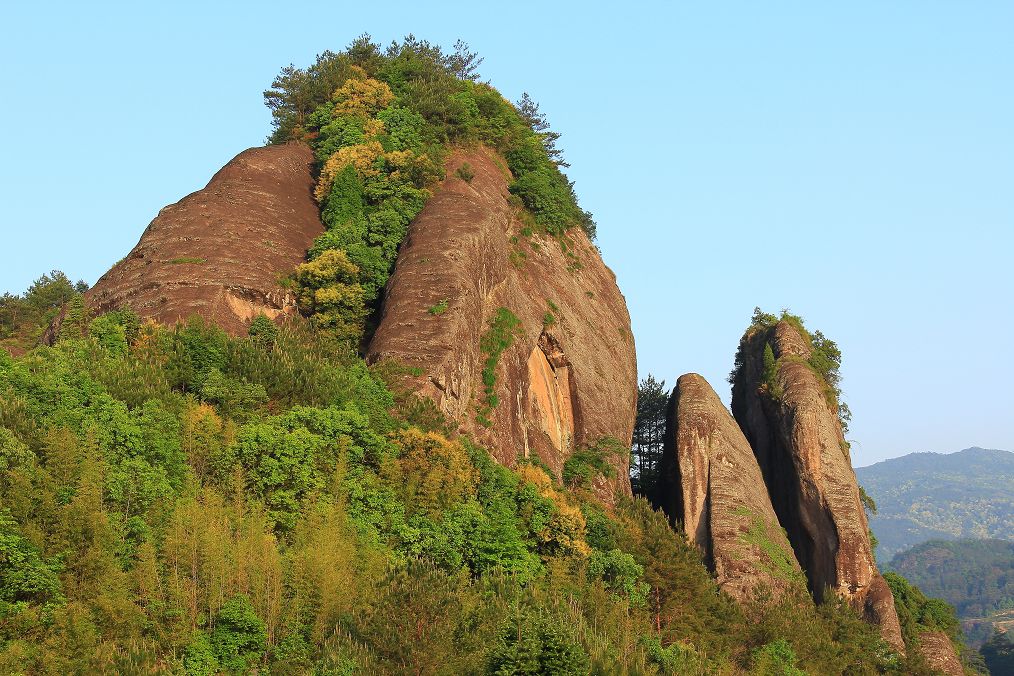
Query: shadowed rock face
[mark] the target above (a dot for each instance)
(939, 653)
(562, 383)
(710, 482)
(805, 461)
(220, 252)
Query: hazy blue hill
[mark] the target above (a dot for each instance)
(974, 576)
(924, 496)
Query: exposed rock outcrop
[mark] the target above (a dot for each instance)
(568, 378)
(798, 441)
(709, 481)
(938, 651)
(220, 252)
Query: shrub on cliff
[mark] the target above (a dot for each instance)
(824, 360)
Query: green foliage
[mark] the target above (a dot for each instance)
(199, 656)
(998, 653)
(869, 504)
(780, 560)
(239, 638)
(943, 569)
(917, 613)
(465, 172)
(233, 397)
(775, 659)
(440, 308)
(178, 499)
(330, 292)
(24, 318)
(769, 376)
(380, 123)
(649, 436)
(193, 349)
(546, 193)
(676, 658)
(824, 360)
(620, 573)
(535, 644)
(500, 336)
(589, 462)
(263, 332)
(111, 332)
(25, 578)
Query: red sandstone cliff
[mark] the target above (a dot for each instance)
(568, 379)
(709, 482)
(220, 252)
(939, 653)
(805, 461)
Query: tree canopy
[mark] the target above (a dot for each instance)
(381, 123)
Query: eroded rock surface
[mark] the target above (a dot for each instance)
(220, 252)
(569, 378)
(710, 482)
(939, 653)
(798, 441)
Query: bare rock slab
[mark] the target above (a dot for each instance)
(220, 252)
(568, 377)
(938, 651)
(710, 483)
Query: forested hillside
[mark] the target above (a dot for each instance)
(974, 576)
(924, 496)
(175, 499)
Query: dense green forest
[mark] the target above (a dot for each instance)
(974, 576)
(176, 500)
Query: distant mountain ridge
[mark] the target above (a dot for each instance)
(925, 496)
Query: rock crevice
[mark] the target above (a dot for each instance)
(711, 484)
(798, 441)
(569, 376)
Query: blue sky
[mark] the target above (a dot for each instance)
(851, 161)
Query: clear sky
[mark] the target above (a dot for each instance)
(852, 161)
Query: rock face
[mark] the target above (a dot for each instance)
(710, 482)
(938, 652)
(802, 453)
(568, 377)
(220, 252)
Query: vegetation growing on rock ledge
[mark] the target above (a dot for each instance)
(381, 122)
(824, 361)
(500, 336)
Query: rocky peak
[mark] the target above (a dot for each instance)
(471, 276)
(797, 438)
(220, 252)
(710, 482)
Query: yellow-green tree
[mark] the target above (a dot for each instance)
(329, 291)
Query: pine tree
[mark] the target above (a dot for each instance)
(649, 434)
